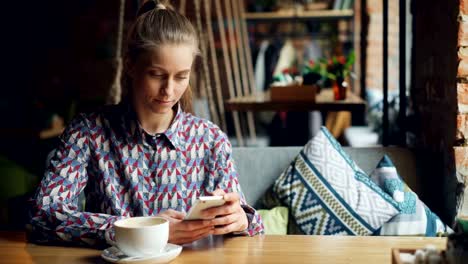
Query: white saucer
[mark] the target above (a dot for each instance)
(114, 255)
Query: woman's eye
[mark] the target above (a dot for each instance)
(182, 77)
(156, 74)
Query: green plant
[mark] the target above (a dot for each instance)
(338, 67)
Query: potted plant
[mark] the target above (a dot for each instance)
(332, 72)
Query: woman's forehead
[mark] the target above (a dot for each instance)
(170, 55)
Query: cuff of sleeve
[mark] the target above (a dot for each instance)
(109, 234)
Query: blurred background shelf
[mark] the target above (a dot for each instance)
(300, 15)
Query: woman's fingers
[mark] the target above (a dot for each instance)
(226, 229)
(170, 213)
(232, 197)
(195, 233)
(225, 220)
(182, 237)
(230, 207)
(218, 192)
(181, 231)
(231, 223)
(219, 210)
(180, 241)
(193, 225)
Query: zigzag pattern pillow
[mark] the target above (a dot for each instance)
(415, 218)
(328, 194)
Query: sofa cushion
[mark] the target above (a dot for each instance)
(259, 167)
(328, 194)
(275, 220)
(415, 218)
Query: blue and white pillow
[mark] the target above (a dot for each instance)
(328, 194)
(415, 218)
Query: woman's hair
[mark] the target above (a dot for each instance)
(158, 24)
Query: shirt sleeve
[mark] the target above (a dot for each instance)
(55, 215)
(225, 176)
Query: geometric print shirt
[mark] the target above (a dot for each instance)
(107, 162)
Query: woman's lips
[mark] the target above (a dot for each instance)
(163, 101)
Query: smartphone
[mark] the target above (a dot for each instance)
(201, 203)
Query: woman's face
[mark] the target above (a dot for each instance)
(160, 77)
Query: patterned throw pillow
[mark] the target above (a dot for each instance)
(328, 194)
(415, 218)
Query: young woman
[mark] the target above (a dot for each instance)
(145, 156)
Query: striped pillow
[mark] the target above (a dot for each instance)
(415, 218)
(328, 194)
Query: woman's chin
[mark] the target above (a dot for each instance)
(161, 109)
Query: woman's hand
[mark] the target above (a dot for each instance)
(229, 217)
(181, 232)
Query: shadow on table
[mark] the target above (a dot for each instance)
(206, 243)
(56, 254)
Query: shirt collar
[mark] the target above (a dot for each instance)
(172, 133)
(138, 133)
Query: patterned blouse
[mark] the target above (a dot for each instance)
(122, 171)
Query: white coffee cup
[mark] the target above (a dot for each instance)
(141, 236)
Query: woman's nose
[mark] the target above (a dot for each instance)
(168, 87)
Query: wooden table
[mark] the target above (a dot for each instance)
(324, 102)
(259, 249)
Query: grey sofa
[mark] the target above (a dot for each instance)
(258, 167)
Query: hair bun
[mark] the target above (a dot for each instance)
(160, 6)
(153, 4)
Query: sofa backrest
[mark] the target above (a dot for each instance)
(258, 167)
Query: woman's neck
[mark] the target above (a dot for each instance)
(154, 123)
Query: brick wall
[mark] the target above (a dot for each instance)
(461, 148)
(434, 101)
(374, 79)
